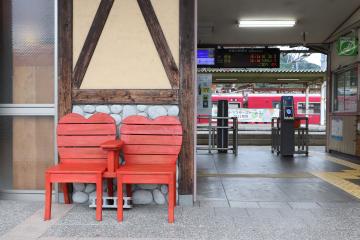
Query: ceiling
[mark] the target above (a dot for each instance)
(217, 20)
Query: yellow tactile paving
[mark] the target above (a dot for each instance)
(334, 179)
(340, 179)
(339, 161)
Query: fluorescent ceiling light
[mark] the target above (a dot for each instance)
(266, 23)
(288, 79)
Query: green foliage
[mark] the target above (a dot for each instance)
(296, 62)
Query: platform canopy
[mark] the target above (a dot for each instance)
(278, 76)
(316, 21)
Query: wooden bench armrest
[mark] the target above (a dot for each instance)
(112, 145)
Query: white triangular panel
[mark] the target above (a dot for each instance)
(126, 57)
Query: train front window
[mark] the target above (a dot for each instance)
(314, 108)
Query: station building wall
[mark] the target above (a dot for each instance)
(348, 123)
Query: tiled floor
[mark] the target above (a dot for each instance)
(256, 195)
(256, 178)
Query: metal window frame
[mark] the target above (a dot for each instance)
(37, 110)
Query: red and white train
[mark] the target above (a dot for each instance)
(272, 101)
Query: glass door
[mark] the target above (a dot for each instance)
(27, 94)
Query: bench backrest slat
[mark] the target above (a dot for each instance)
(79, 139)
(149, 141)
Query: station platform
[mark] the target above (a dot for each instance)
(257, 178)
(254, 196)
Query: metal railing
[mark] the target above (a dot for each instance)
(301, 136)
(213, 131)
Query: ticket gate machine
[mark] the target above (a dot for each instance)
(287, 130)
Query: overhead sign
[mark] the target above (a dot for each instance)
(219, 57)
(347, 46)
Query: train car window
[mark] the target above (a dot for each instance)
(314, 108)
(234, 105)
(276, 104)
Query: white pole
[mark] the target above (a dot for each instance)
(323, 104)
(307, 100)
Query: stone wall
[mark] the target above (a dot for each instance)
(142, 193)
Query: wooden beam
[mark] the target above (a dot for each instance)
(120, 96)
(160, 42)
(65, 56)
(187, 70)
(91, 41)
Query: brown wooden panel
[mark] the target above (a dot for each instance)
(65, 56)
(126, 96)
(86, 129)
(151, 149)
(160, 42)
(151, 129)
(187, 94)
(91, 41)
(73, 153)
(82, 141)
(33, 151)
(150, 159)
(151, 140)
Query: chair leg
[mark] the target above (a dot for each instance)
(120, 199)
(48, 195)
(175, 203)
(66, 193)
(110, 187)
(99, 190)
(171, 201)
(128, 190)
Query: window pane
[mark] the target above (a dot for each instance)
(28, 41)
(350, 93)
(26, 150)
(345, 91)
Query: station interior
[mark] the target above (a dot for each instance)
(258, 176)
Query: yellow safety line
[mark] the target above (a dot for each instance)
(340, 179)
(339, 161)
(334, 179)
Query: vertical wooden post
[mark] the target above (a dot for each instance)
(65, 17)
(187, 70)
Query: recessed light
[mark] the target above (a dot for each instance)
(266, 23)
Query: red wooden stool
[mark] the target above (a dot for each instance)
(150, 148)
(80, 155)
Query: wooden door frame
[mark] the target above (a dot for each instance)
(182, 93)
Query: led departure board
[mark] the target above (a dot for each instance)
(218, 57)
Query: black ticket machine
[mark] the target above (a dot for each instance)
(287, 131)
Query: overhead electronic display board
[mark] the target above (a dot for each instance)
(219, 57)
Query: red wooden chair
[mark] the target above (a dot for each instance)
(150, 148)
(81, 157)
